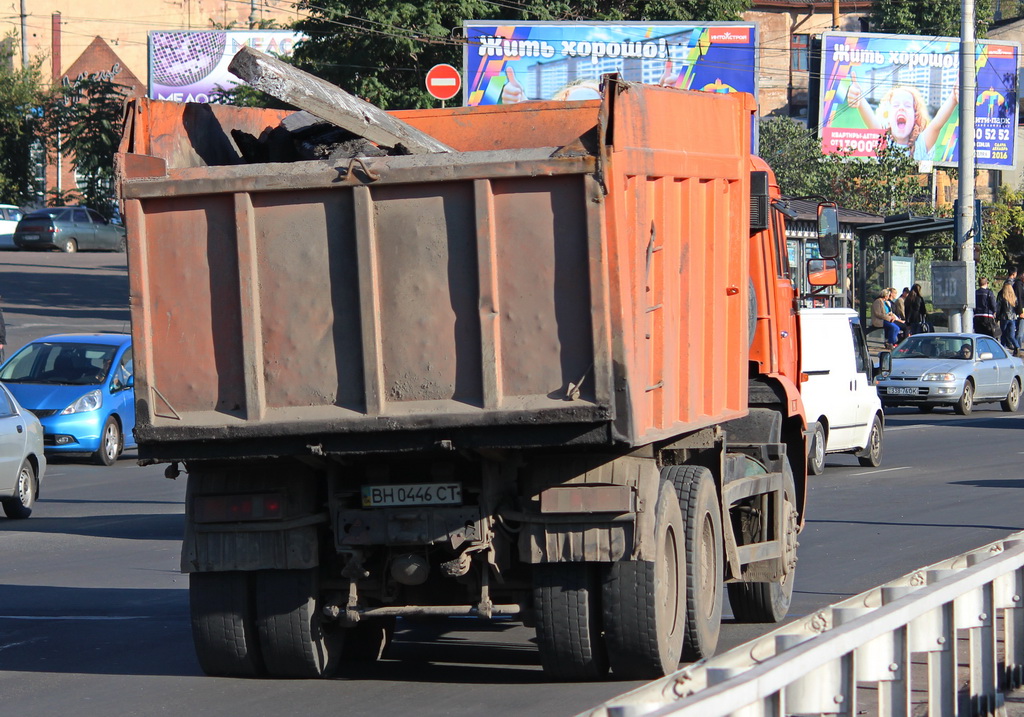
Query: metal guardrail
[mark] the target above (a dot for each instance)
(928, 640)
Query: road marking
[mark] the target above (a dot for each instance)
(880, 470)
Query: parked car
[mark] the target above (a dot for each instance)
(68, 229)
(950, 369)
(10, 215)
(80, 386)
(22, 460)
(844, 414)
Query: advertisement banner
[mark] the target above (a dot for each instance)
(190, 65)
(565, 60)
(905, 89)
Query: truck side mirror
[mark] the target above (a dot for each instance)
(828, 230)
(822, 272)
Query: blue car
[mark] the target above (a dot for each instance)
(80, 386)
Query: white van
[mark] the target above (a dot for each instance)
(844, 413)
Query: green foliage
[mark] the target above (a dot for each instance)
(381, 50)
(20, 94)
(83, 123)
(883, 186)
(1002, 236)
(927, 17)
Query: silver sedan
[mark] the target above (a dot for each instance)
(950, 369)
(22, 461)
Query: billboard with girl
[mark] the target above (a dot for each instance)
(903, 90)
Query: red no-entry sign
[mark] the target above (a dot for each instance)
(443, 82)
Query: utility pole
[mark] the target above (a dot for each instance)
(965, 241)
(24, 35)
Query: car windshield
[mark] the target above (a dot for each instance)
(929, 346)
(59, 363)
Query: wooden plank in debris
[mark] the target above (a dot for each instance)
(329, 102)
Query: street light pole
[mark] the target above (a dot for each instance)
(966, 185)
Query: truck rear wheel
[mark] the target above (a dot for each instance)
(645, 602)
(224, 624)
(565, 596)
(702, 523)
(769, 601)
(295, 639)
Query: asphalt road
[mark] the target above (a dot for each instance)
(94, 613)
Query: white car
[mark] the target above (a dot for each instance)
(10, 215)
(844, 413)
(950, 369)
(22, 461)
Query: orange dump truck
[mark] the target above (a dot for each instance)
(551, 375)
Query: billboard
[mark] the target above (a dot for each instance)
(189, 65)
(507, 63)
(905, 88)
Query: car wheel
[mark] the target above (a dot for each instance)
(69, 246)
(122, 246)
(1012, 401)
(816, 454)
(20, 504)
(872, 455)
(966, 402)
(926, 408)
(111, 443)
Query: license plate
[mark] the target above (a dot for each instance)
(902, 391)
(31, 237)
(383, 496)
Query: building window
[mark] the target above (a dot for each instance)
(799, 53)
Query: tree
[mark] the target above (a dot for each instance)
(927, 17)
(380, 50)
(21, 92)
(83, 122)
(794, 154)
(885, 185)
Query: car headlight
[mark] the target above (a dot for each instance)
(89, 402)
(938, 377)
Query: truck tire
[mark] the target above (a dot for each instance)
(565, 597)
(224, 624)
(644, 603)
(769, 601)
(368, 639)
(816, 453)
(294, 638)
(705, 584)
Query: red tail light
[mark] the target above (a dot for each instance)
(235, 508)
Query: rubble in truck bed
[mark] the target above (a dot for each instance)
(303, 136)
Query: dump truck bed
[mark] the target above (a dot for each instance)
(574, 273)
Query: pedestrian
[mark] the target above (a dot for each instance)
(1008, 310)
(1018, 287)
(899, 307)
(985, 309)
(915, 311)
(883, 318)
